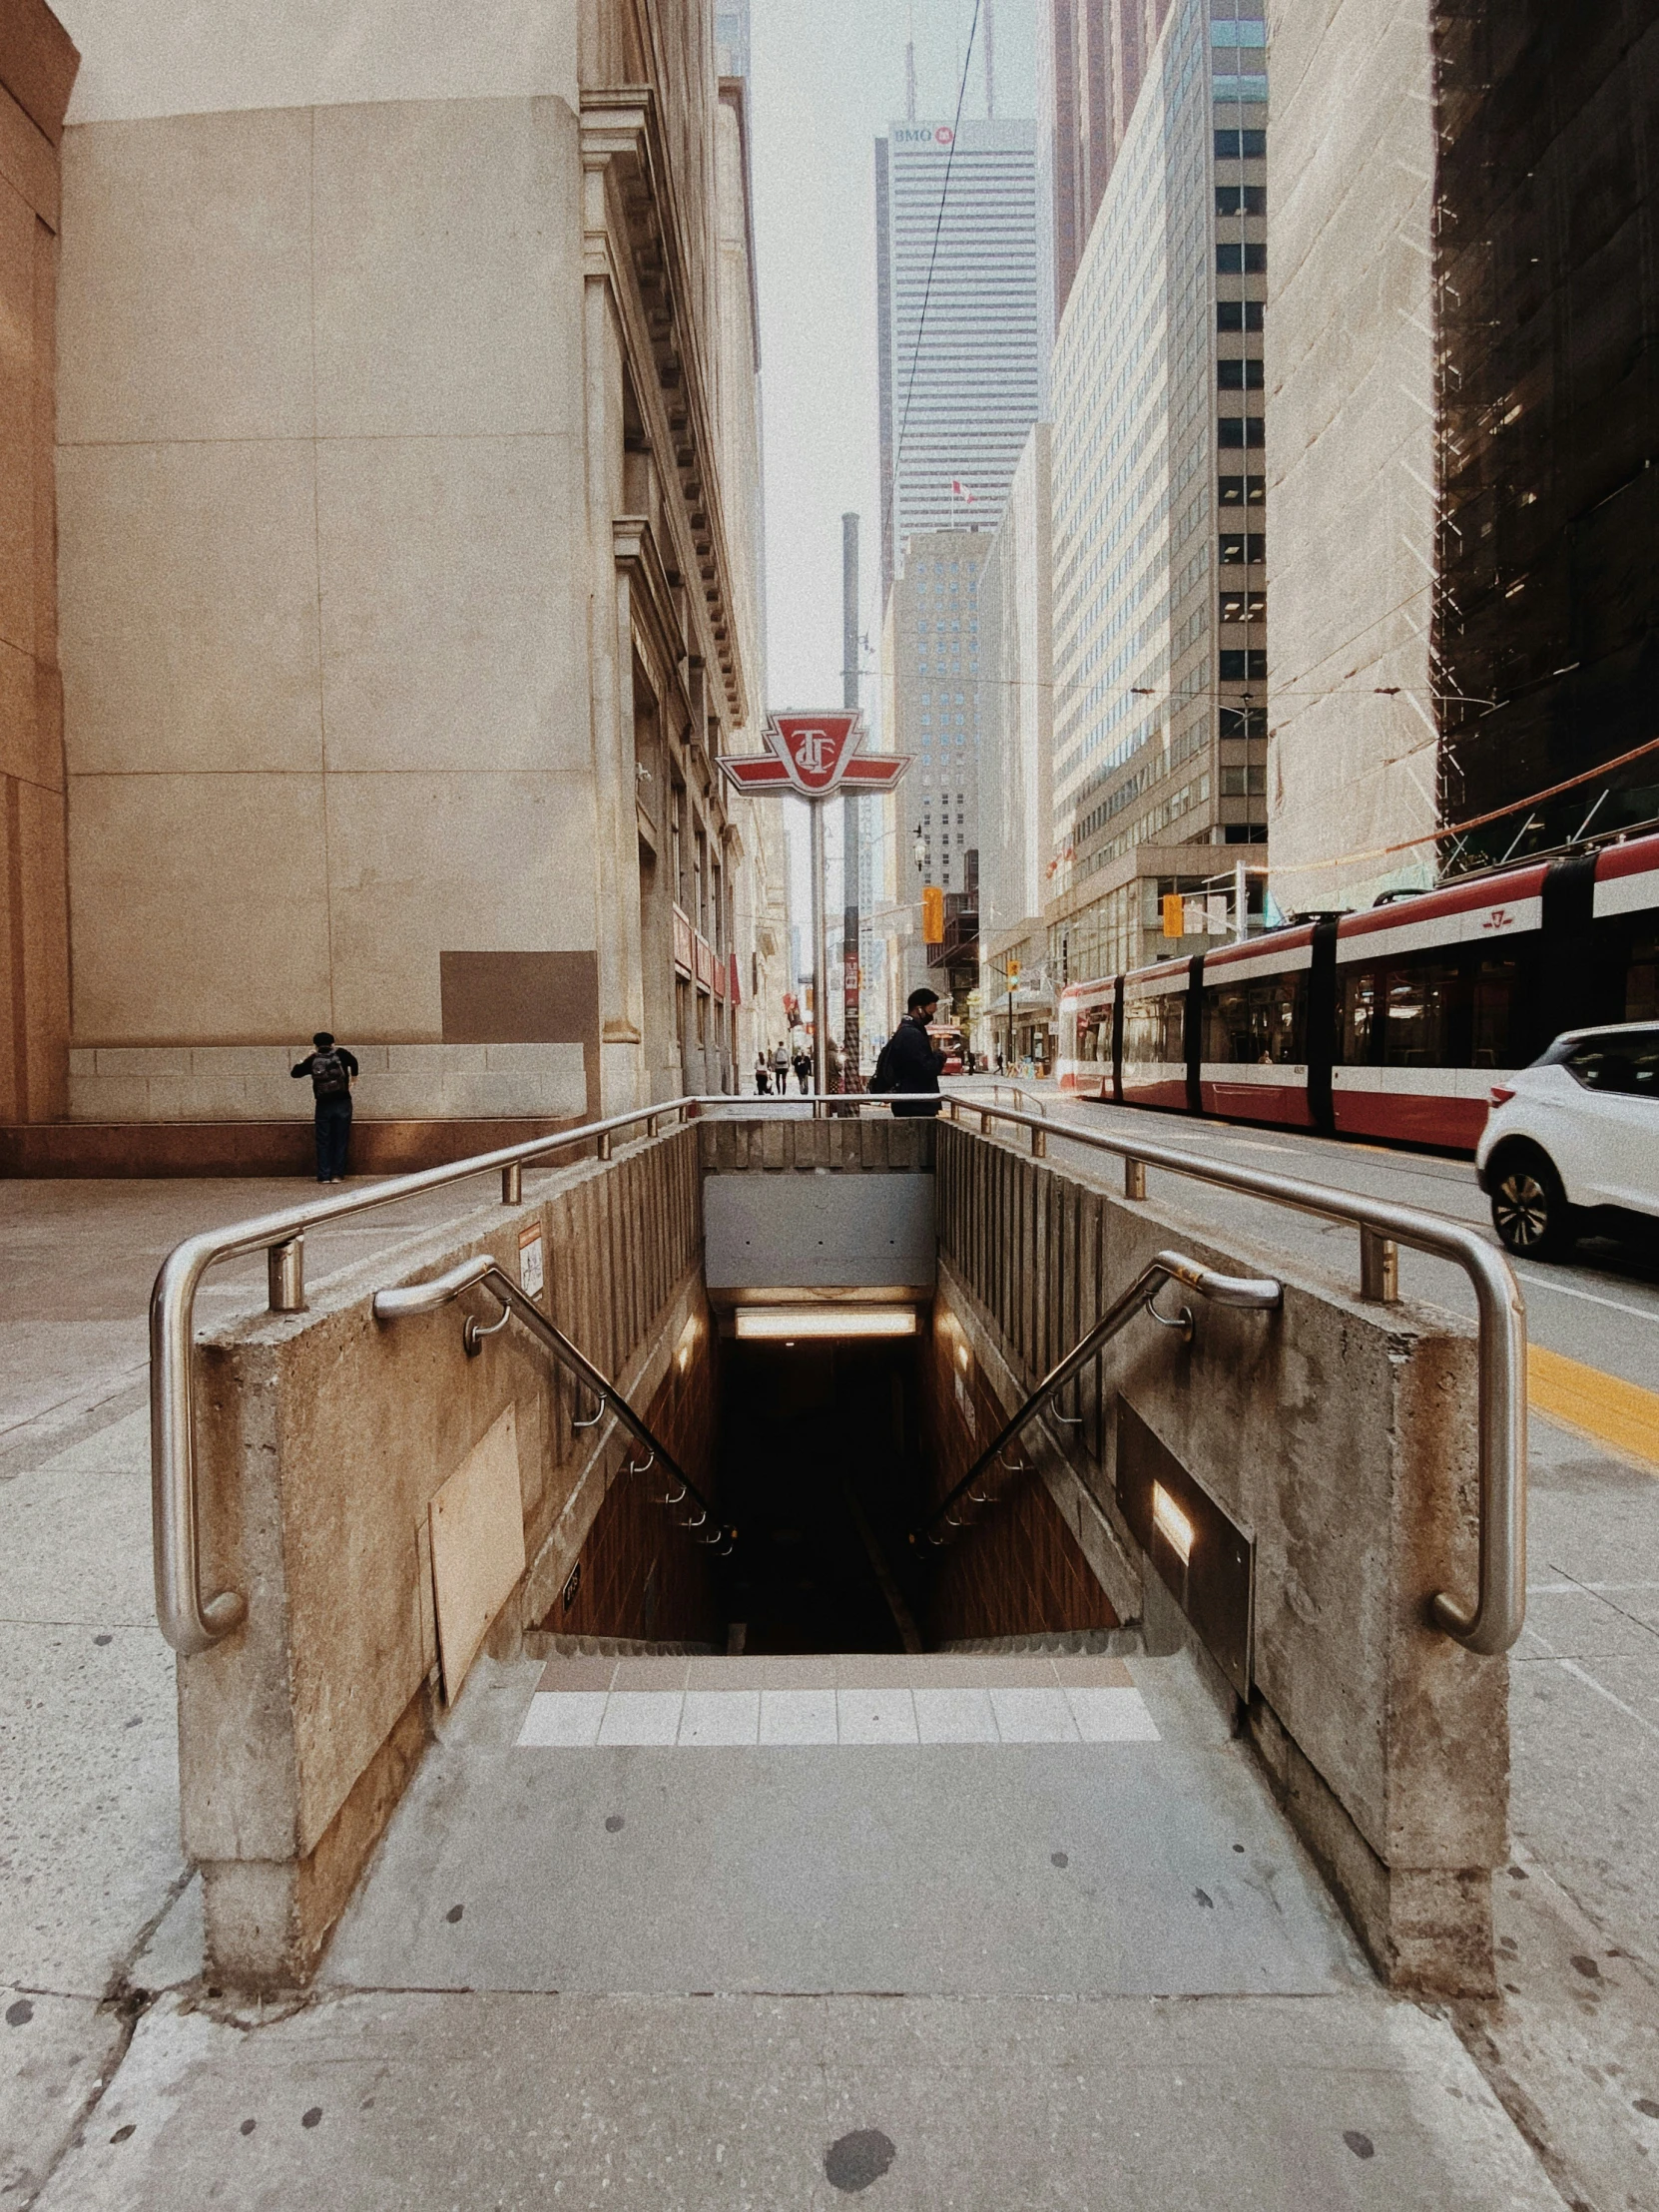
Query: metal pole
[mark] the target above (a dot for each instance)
(852, 824)
(1241, 903)
(820, 956)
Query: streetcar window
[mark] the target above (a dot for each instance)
(1420, 997)
(1360, 1024)
(1641, 979)
(1226, 1024)
(1494, 998)
(1277, 1008)
(1259, 1025)
(1154, 1029)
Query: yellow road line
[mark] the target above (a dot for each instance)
(1601, 1405)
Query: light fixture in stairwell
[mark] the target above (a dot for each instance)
(1171, 1524)
(785, 1324)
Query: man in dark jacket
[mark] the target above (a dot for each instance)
(908, 1061)
(332, 1071)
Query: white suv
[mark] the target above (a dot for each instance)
(1573, 1142)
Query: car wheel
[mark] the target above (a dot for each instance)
(1530, 1208)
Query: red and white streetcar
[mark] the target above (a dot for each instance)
(1392, 1022)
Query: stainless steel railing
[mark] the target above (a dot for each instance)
(482, 1272)
(1259, 1294)
(189, 1622)
(1496, 1617)
(192, 1624)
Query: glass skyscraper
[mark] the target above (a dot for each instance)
(957, 324)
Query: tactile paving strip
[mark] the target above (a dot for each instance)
(857, 1698)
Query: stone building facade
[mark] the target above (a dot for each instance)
(37, 69)
(407, 445)
(1351, 460)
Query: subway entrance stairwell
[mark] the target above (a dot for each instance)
(737, 1454)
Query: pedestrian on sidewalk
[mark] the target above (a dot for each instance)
(762, 1074)
(780, 1068)
(332, 1071)
(908, 1060)
(804, 1071)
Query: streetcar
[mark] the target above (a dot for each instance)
(1393, 1021)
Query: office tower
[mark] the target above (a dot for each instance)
(932, 709)
(1015, 759)
(1160, 644)
(956, 312)
(1091, 57)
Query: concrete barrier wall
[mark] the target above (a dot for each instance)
(322, 1438)
(1341, 1435)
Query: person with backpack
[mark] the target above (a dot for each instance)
(332, 1071)
(908, 1060)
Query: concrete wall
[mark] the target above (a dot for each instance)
(390, 430)
(37, 68)
(323, 1437)
(1341, 1435)
(1350, 411)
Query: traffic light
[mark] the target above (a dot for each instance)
(1175, 914)
(932, 914)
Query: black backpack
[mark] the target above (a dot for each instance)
(329, 1076)
(883, 1078)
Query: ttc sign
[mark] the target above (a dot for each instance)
(815, 754)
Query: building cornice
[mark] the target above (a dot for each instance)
(632, 240)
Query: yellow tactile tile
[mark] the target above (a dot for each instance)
(1605, 1407)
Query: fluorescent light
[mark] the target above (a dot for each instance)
(785, 1322)
(1171, 1524)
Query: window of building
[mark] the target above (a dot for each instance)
(1239, 375)
(1244, 606)
(1238, 315)
(1250, 146)
(1241, 261)
(1234, 550)
(1243, 783)
(1243, 668)
(1244, 721)
(1241, 200)
(1241, 430)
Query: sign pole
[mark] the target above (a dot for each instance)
(816, 755)
(820, 960)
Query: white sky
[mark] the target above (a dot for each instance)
(827, 77)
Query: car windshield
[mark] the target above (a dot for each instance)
(1626, 1061)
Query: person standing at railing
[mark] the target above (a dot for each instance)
(332, 1071)
(908, 1059)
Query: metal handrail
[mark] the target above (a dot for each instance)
(194, 1624)
(1030, 1098)
(1259, 1294)
(1495, 1621)
(189, 1622)
(483, 1272)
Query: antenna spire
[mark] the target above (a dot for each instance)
(911, 69)
(990, 59)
